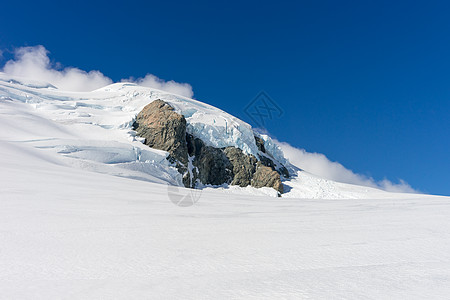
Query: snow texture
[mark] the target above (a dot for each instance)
(86, 212)
(99, 136)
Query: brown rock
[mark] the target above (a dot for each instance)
(243, 166)
(163, 129)
(265, 176)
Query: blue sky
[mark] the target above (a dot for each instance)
(367, 83)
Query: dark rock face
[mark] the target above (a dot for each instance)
(165, 129)
(266, 161)
(212, 164)
(243, 166)
(269, 163)
(283, 171)
(260, 144)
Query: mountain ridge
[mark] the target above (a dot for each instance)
(100, 136)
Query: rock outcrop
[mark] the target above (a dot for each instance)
(260, 144)
(265, 176)
(267, 161)
(165, 129)
(244, 166)
(211, 164)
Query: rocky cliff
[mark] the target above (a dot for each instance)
(165, 129)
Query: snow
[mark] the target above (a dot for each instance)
(68, 233)
(214, 126)
(86, 212)
(274, 150)
(93, 131)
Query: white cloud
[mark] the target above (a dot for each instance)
(320, 165)
(34, 63)
(150, 80)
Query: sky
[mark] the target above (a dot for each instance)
(359, 86)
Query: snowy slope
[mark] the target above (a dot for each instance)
(67, 233)
(93, 131)
(86, 212)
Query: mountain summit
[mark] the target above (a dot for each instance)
(142, 133)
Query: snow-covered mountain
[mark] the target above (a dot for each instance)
(93, 131)
(86, 212)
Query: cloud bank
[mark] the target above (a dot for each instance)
(34, 63)
(320, 165)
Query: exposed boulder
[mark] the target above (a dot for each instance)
(249, 171)
(163, 129)
(265, 176)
